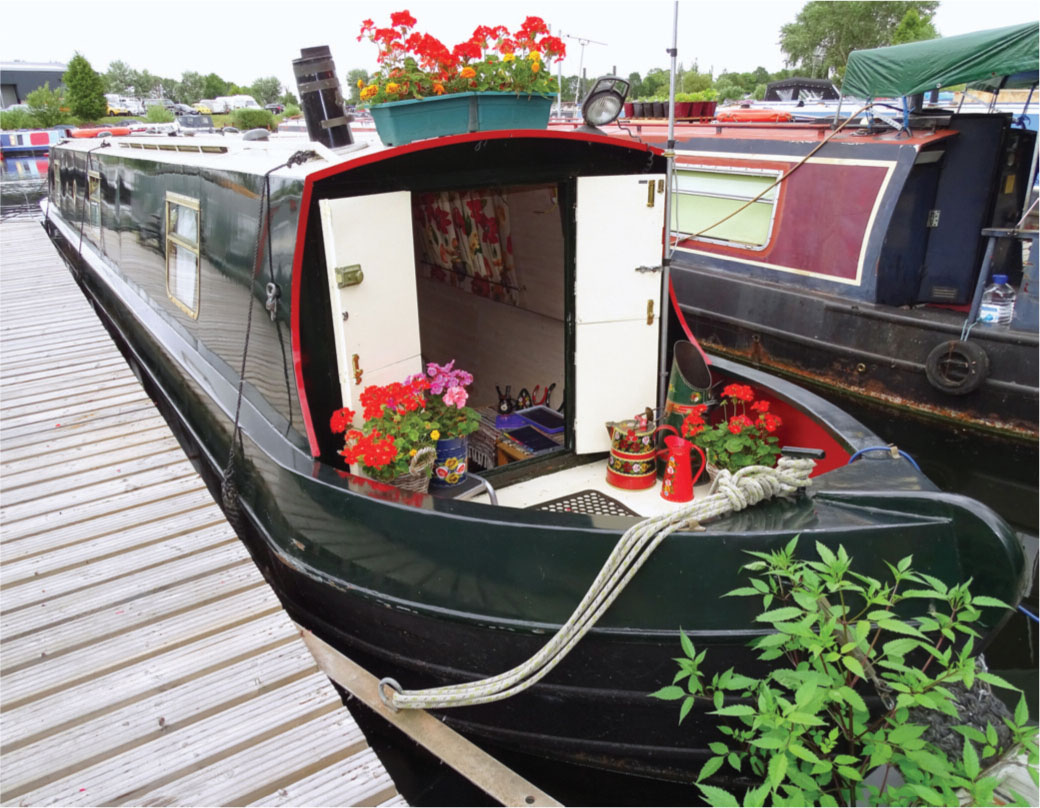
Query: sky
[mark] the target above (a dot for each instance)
(242, 40)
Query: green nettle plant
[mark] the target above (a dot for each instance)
(806, 732)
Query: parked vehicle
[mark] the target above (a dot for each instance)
(193, 124)
(123, 105)
(232, 102)
(277, 109)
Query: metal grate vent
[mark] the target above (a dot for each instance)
(590, 502)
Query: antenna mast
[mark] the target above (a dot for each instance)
(583, 41)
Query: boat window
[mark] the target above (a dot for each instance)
(182, 252)
(94, 206)
(706, 195)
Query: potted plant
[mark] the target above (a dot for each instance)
(710, 103)
(697, 107)
(683, 102)
(396, 443)
(494, 80)
(743, 432)
(660, 107)
(638, 110)
(453, 420)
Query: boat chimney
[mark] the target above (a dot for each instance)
(320, 98)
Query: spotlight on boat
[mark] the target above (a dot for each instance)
(604, 103)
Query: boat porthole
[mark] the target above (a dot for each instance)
(957, 367)
(861, 368)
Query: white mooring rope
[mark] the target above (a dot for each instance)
(729, 493)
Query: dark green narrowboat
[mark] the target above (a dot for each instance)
(256, 286)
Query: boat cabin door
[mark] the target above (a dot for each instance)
(371, 274)
(617, 298)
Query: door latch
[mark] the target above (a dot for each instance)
(349, 276)
(650, 312)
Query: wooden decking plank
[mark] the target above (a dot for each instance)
(156, 713)
(63, 476)
(113, 506)
(85, 591)
(33, 680)
(145, 660)
(133, 526)
(36, 718)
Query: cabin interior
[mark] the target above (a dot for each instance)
(546, 290)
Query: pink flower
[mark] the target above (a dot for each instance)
(456, 397)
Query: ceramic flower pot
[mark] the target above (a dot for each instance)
(449, 469)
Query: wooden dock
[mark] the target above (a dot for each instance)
(144, 660)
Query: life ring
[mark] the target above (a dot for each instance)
(957, 367)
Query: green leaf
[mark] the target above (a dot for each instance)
(984, 600)
(768, 742)
(853, 698)
(905, 732)
(778, 615)
(685, 709)
(849, 773)
(670, 693)
(853, 665)
(735, 760)
(971, 760)
(929, 795)
(824, 552)
(993, 679)
(735, 709)
(687, 646)
(1021, 711)
(777, 769)
(808, 719)
(900, 647)
(741, 591)
(756, 797)
(899, 627)
(803, 753)
(718, 797)
(718, 748)
(712, 765)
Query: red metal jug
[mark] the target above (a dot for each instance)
(679, 478)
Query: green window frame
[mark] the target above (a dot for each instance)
(183, 238)
(705, 195)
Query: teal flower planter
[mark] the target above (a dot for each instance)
(400, 122)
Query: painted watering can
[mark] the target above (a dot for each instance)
(679, 478)
(689, 384)
(633, 452)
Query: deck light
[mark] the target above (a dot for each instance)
(605, 102)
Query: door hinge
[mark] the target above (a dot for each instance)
(933, 218)
(649, 269)
(349, 276)
(650, 312)
(650, 188)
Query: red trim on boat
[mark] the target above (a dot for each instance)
(685, 325)
(294, 319)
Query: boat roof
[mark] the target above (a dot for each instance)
(917, 67)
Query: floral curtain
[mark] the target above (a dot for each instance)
(464, 241)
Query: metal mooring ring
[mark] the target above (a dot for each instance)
(389, 700)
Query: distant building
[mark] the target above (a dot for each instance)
(18, 79)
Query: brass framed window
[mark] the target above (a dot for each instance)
(183, 238)
(705, 195)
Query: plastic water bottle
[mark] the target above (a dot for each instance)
(998, 302)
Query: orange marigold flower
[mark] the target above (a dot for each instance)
(468, 73)
(393, 87)
(535, 66)
(438, 89)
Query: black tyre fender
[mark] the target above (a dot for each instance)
(957, 367)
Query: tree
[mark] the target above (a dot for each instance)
(145, 83)
(85, 89)
(119, 78)
(913, 28)
(214, 86)
(823, 34)
(635, 85)
(265, 90)
(353, 77)
(45, 106)
(192, 86)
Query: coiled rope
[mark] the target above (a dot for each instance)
(729, 493)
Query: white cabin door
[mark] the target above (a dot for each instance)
(617, 291)
(371, 272)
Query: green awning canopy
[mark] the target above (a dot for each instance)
(918, 67)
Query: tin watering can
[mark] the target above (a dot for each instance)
(679, 478)
(633, 453)
(689, 384)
